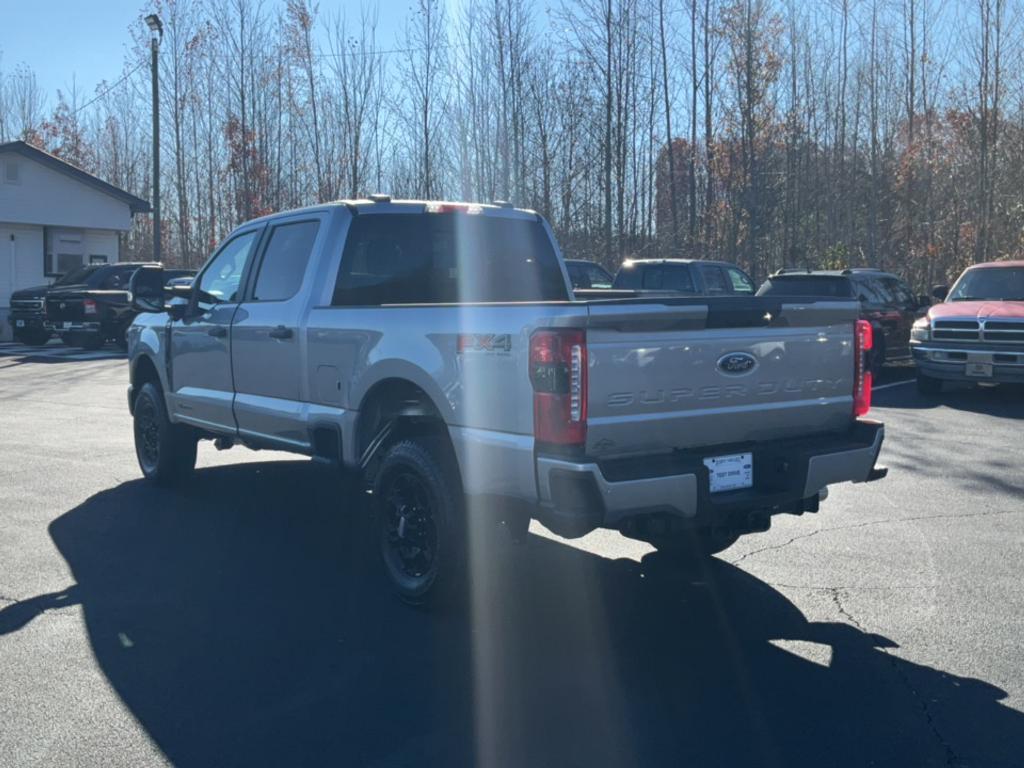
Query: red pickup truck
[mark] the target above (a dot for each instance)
(976, 333)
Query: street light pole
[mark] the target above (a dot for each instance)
(154, 23)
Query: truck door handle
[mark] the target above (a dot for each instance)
(218, 331)
(280, 332)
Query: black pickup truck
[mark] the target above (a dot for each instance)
(96, 309)
(28, 307)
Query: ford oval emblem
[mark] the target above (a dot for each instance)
(737, 363)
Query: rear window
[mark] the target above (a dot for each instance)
(807, 285)
(77, 275)
(444, 258)
(117, 278)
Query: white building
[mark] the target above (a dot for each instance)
(54, 217)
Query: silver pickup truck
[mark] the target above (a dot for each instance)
(434, 350)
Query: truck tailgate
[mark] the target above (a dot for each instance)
(667, 374)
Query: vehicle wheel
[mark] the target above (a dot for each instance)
(418, 507)
(166, 451)
(89, 341)
(928, 385)
(32, 338)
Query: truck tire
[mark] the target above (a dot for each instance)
(166, 451)
(928, 385)
(418, 519)
(32, 338)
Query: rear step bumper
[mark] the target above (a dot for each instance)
(670, 492)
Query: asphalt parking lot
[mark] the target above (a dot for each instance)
(242, 620)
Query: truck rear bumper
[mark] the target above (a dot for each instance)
(673, 490)
(63, 326)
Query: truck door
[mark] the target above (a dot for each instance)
(266, 337)
(200, 372)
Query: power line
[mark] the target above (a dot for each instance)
(109, 88)
(339, 54)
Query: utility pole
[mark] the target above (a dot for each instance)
(157, 28)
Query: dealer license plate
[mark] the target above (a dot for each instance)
(979, 370)
(729, 473)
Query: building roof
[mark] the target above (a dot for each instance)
(135, 204)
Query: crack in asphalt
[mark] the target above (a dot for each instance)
(868, 523)
(952, 759)
(835, 592)
(851, 587)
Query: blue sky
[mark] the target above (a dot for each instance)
(85, 41)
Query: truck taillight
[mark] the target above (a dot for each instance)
(558, 373)
(863, 343)
(89, 307)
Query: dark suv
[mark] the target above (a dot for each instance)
(886, 302)
(690, 276)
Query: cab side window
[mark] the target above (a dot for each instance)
(714, 280)
(596, 278)
(739, 280)
(901, 292)
(222, 278)
(284, 261)
(653, 279)
(678, 278)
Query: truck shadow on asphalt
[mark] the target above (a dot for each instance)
(1005, 401)
(245, 621)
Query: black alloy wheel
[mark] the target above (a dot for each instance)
(417, 504)
(409, 527)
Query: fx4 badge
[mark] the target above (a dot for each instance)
(486, 343)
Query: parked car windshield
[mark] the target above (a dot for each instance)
(834, 287)
(990, 284)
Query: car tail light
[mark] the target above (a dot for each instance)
(863, 343)
(558, 373)
(89, 307)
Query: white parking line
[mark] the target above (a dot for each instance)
(894, 384)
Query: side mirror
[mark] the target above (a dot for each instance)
(924, 301)
(147, 289)
(940, 292)
(177, 307)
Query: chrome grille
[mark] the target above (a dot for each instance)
(956, 330)
(994, 331)
(1003, 330)
(27, 305)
